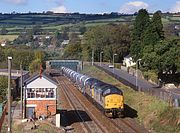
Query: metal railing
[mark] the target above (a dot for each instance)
(172, 98)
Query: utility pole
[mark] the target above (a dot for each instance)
(92, 57)
(21, 91)
(9, 94)
(101, 57)
(113, 61)
(137, 62)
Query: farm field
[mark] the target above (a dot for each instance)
(18, 23)
(7, 37)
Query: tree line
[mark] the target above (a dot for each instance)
(158, 53)
(22, 55)
(111, 39)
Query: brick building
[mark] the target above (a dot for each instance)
(40, 96)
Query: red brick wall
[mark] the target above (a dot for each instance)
(41, 107)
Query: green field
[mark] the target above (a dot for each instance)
(7, 37)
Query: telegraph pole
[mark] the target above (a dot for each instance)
(92, 57)
(9, 94)
(21, 91)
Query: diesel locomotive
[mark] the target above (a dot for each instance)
(106, 97)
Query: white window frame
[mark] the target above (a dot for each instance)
(39, 98)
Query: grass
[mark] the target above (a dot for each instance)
(175, 18)
(106, 20)
(43, 127)
(8, 37)
(165, 20)
(56, 26)
(153, 113)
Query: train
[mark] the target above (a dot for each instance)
(106, 97)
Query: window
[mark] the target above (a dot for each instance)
(40, 93)
(31, 93)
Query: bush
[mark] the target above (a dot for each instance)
(151, 76)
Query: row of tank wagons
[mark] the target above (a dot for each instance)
(75, 77)
(108, 98)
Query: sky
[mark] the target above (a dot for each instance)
(88, 6)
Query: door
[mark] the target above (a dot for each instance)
(29, 112)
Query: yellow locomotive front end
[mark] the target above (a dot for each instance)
(114, 105)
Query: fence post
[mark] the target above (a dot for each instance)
(176, 103)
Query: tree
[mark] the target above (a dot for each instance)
(82, 29)
(39, 55)
(73, 37)
(3, 31)
(3, 87)
(151, 37)
(23, 57)
(108, 38)
(164, 58)
(157, 23)
(35, 66)
(2, 57)
(36, 30)
(141, 23)
(73, 49)
(154, 31)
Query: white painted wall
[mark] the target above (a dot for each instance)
(41, 83)
(128, 62)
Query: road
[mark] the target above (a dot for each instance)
(128, 79)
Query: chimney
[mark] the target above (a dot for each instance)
(41, 70)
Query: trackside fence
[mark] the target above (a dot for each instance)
(3, 115)
(172, 98)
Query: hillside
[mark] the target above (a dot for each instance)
(16, 23)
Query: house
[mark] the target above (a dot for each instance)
(47, 37)
(3, 43)
(65, 42)
(128, 61)
(40, 93)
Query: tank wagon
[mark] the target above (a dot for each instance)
(106, 97)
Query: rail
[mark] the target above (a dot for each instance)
(119, 124)
(90, 126)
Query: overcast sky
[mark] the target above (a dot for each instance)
(88, 6)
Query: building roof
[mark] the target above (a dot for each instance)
(37, 75)
(128, 56)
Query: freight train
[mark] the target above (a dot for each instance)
(107, 98)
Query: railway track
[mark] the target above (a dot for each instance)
(99, 122)
(89, 125)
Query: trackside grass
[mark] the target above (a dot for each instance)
(42, 127)
(154, 114)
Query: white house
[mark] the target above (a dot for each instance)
(40, 95)
(128, 61)
(65, 42)
(3, 43)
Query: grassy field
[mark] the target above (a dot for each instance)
(8, 37)
(153, 113)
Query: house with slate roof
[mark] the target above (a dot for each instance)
(40, 94)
